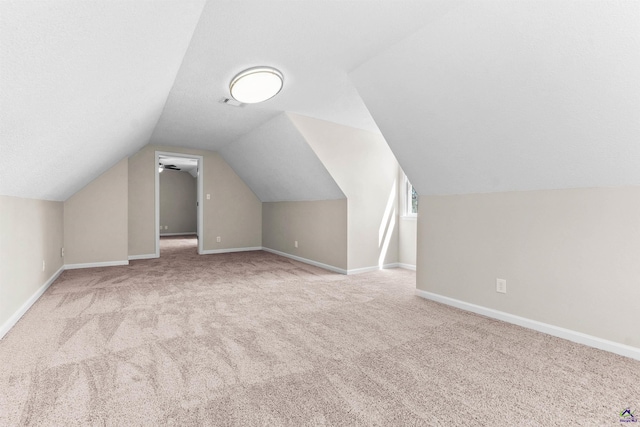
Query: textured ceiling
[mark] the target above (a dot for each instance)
(472, 96)
(82, 85)
(499, 96)
(278, 164)
(314, 43)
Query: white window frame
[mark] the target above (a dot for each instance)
(406, 202)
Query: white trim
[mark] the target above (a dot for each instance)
(412, 217)
(224, 251)
(143, 256)
(200, 211)
(157, 202)
(407, 266)
(372, 268)
(95, 264)
(307, 261)
(179, 234)
(363, 270)
(405, 212)
(28, 303)
(556, 331)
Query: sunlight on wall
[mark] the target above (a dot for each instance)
(388, 224)
(387, 211)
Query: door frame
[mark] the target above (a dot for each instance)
(199, 209)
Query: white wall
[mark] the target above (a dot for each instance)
(233, 212)
(366, 171)
(95, 219)
(570, 257)
(407, 241)
(319, 227)
(178, 198)
(407, 227)
(31, 231)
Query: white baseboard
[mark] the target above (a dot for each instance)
(143, 256)
(307, 261)
(178, 234)
(95, 264)
(556, 331)
(372, 268)
(27, 305)
(224, 251)
(407, 266)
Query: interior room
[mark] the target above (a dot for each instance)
(296, 213)
(178, 199)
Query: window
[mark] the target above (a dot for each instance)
(410, 199)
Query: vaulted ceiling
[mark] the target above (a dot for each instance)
(314, 43)
(472, 96)
(82, 85)
(513, 95)
(277, 163)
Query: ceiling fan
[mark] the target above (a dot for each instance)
(162, 167)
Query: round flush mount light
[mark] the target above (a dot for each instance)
(256, 84)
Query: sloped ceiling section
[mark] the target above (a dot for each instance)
(314, 43)
(82, 85)
(276, 162)
(500, 96)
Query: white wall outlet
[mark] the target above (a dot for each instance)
(208, 196)
(295, 243)
(501, 286)
(44, 265)
(62, 252)
(218, 239)
(166, 227)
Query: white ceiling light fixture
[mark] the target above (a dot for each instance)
(256, 84)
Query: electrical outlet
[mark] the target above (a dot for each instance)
(208, 196)
(218, 239)
(62, 252)
(166, 227)
(295, 243)
(501, 286)
(44, 265)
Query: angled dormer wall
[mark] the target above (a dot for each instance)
(367, 172)
(304, 211)
(95, 221)
(329, 191)
(518, 125)
(278, 164)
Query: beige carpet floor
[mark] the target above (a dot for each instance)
(254, 339)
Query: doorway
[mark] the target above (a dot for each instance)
(191, 165)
